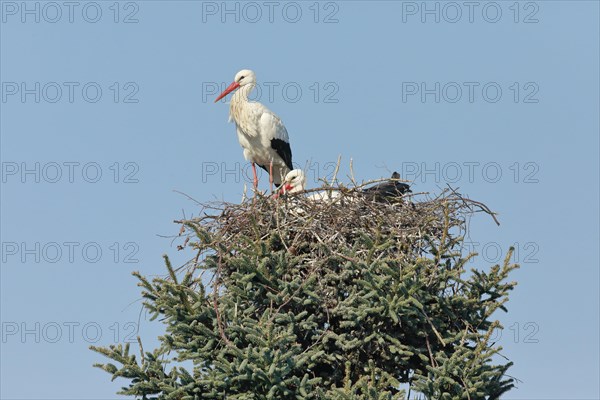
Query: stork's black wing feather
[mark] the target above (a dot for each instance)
(283, 150)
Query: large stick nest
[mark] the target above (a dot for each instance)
(308, 226)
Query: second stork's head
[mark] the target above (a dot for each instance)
(294, 182)
(245, 80)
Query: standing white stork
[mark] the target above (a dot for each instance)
(260, 132)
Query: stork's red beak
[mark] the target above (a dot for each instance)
(229, 89)
(286, 187)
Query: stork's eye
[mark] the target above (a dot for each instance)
(241, 77)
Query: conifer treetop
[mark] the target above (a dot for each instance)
(288, 298)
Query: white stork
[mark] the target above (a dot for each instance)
(295, 181)
(260, 132)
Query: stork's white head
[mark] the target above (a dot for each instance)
(243, 79)
(294, 182)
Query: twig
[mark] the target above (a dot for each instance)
(434, 329)
(433, 363)
(335, 172)
(189, 197)
(482, 206)
(216, 306)
(352, 177)
(139, 340)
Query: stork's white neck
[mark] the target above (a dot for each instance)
(241, 95)
(238, 103)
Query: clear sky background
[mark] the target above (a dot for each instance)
(515, 124)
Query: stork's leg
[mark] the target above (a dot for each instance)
(271, 176)
(255, 176)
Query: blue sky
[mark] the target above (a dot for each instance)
(107, 110)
